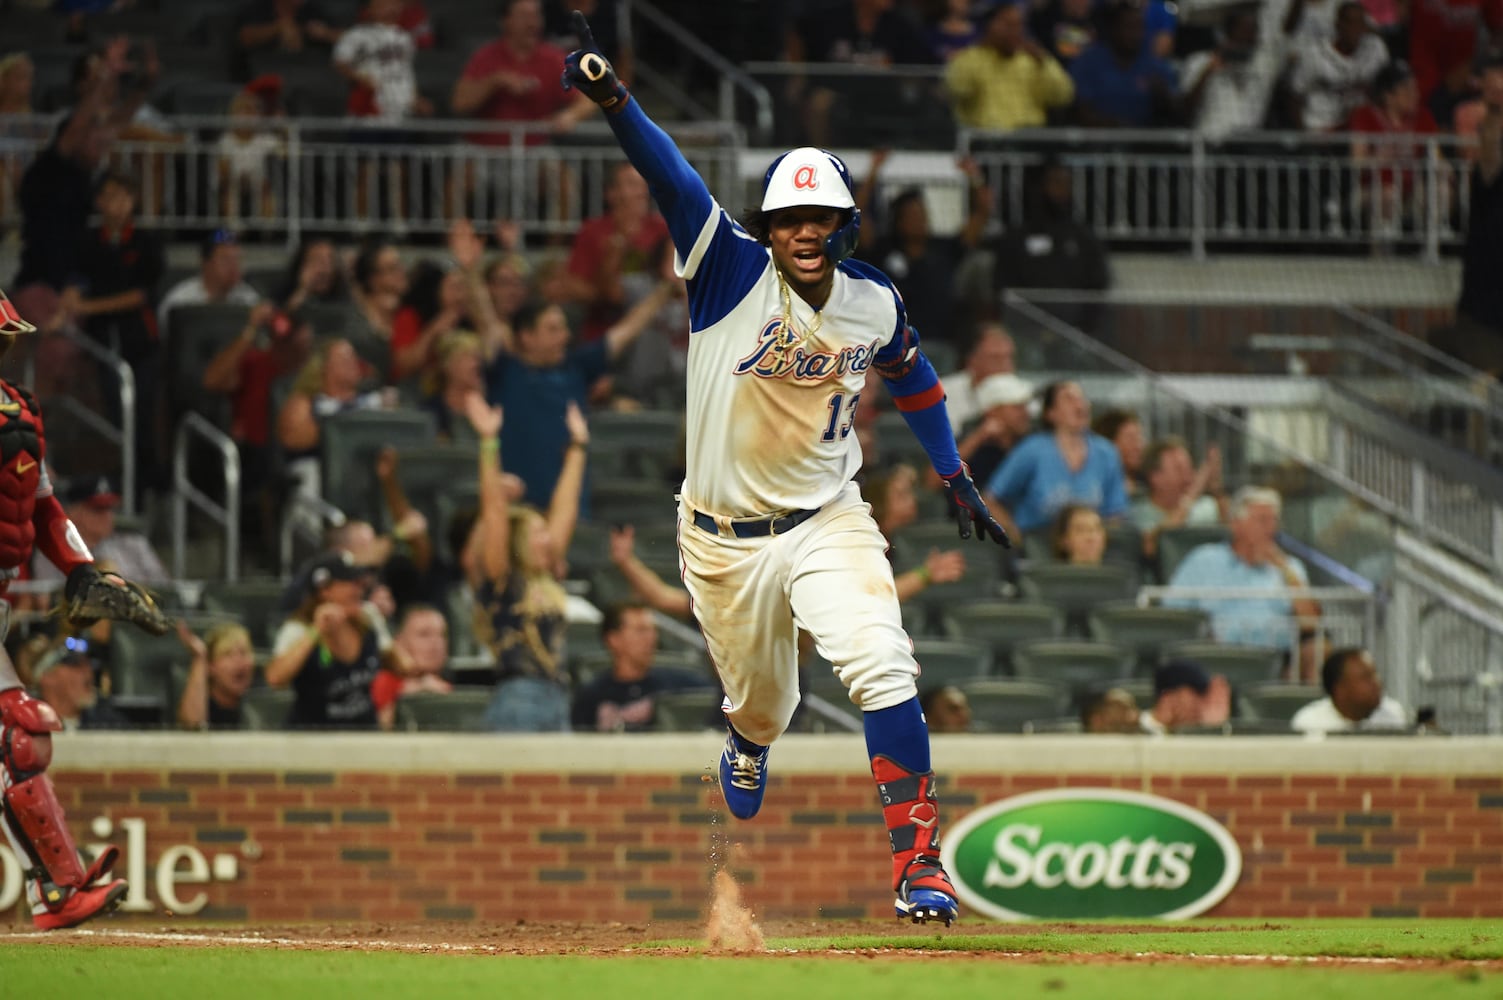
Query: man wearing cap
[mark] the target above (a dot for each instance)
(220, 278)
(91, 503)
(774, 535)
(1185, 695)
(992, 352)
(64, 678)
(61, 890)
(1003, 401)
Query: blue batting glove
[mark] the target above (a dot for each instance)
(971, 510)
(589, 72)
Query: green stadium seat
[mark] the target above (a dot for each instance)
(266, 708)
(1003, 624)
(1176, 543)
(253, 602)
(1242, 666)
(632, 501)
(1076, 663)
(1277, 702)
(1006, 705)
(461, 710)
(1147, 630)
(348, 445)
(687, 711)
(641, 443)
(950, 661)
(428, 472)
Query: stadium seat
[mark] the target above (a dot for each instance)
(348, 444)
(1003, 624)
(1176, 543)
(1073, 662)
(1005, 705)
(589, 550)
(983, 565)
(687, 711)
(266, 708)
(950, 661)
(1146, 630)
(1275, 701)
(1078, 589)
(254, 602)
(1063, 724)
(1242, 666)
(461, 710)
(428, 472)
(141, 666)
(632, 501)
(194, 335)
(640, 444)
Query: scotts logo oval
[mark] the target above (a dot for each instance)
(1090, 852)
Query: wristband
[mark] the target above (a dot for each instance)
(924, 574)
(490, 446)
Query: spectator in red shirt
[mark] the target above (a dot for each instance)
(1443, 36)
(516, 79)
(272, 345)
(1388, 192)
(436, 304)
(613, 251)
(423, 638)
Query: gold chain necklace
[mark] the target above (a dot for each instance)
(819, 316)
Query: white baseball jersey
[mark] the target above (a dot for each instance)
(769, 408)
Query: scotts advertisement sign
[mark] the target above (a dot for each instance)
(1082, 853)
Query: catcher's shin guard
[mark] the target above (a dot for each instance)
(30, 809)
(911, 811)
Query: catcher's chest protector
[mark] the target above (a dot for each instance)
(21, 453)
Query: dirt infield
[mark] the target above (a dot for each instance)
(601, 940)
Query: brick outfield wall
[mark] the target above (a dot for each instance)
(353, 845)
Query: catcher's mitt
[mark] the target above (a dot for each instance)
(91, 595)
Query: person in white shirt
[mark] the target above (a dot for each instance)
(376, 56)
(1354, 698)
(1332, 75)
(993, 353)
(1228, 88)
(220, 279)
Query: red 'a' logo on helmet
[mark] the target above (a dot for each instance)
(804, 178)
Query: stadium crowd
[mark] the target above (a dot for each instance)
(483, 434)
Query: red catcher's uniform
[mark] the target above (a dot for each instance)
(30, 516)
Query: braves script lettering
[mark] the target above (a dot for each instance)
(779, 355)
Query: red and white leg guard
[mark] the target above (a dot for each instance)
(911, 811)
(33, 818)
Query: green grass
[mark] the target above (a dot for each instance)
(120, 973)
(1053, 964)
(1456, 939)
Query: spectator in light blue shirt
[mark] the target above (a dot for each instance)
(1252, 560)
(1119, 81)
(1064, 463)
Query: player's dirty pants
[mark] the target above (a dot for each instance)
(828, 576)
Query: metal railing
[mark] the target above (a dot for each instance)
(1452, 634)
(194, 428)
(1348, 616)
(732, 78)
(123, 436)
(346, 176)
(1445, 496)
(1175, 188)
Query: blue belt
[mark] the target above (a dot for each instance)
(758, 528)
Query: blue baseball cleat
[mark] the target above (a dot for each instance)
(925, 893)
(743, 776)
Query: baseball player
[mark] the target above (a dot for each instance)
(773, 534)
(62, 892)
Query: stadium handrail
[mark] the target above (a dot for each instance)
(124, 435)
(190, 429)
(732, 77)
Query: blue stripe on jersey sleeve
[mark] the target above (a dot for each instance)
(722, 268)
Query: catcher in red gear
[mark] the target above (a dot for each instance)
(61, 889)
